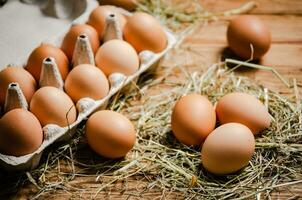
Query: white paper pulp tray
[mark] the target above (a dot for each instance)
(85, 106)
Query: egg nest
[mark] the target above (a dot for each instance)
(161, 166)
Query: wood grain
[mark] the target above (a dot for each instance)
(205, 46)
(209, 43)
(284, 29)
(282, 7)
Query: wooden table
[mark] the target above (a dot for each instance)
(284, 18)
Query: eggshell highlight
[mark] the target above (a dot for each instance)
(19, 75)
(227, 149)
(245, 30)
(110, 134)
(144, 32)
(20, 133)
(86, 81)
(193, 119)
(245, 109)
(35, 60)
(52, 106)
(117, 56)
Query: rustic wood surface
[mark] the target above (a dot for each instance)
(207, 44)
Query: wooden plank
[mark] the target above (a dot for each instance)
(284, 29)
(204, 47)
(209, 44)
(264, 6)
(87, 187)
(283, 57)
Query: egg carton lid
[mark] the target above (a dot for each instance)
(18, 40)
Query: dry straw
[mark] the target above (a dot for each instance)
(163, 165)
(177, 14)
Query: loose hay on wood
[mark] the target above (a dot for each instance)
(162, 163)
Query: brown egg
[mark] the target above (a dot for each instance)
(193, 119)
(86, 81)
(245, 109)
(34, 63)
(25, 80)
(144, 32)
(52, 106)
(117, 56)
(70, 38)
(110, 134)
(245, 30)
(20, 133)
(227, 149)
(97, 19)
(126, 4)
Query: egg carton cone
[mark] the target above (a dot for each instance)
(113, 29)
(50, 74)
(85, 106)
(83, 53)
(14, 98)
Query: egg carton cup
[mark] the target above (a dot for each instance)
(85, 106)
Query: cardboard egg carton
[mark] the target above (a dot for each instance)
(86, 106)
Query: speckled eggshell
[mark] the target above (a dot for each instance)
(20, 133)
(71, 36)
(193, 119)
(144, 32)
(97, 19)
(25, 80)
(227, 149)
(86, 81)
(117, 56)
(245, 109)
(35, 60)
(110, 134)
(52, 106)
(245, 30)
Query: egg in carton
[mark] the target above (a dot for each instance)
(50, 76)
